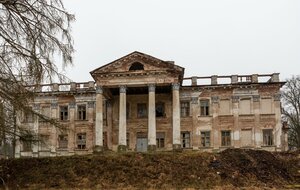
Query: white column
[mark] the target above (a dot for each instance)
(176, 116)
(122, 120)
(151, 119)
(99, 120)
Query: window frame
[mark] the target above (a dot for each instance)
(163, 112)
(269, 140)
(63, 114)
(144, 110)
(63, 141)
(82, 114)
(81, 143)
(185, 109)
(204, 139)
(204, 109)
(224, 139)
(185, 140)
(160, 140)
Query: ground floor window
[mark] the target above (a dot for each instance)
(63, 141)
(160, 140)
(185, 139)
(226, 138)
(81, 141)
(44, 142)
(27, 146)
(268, 137)
(205, 138)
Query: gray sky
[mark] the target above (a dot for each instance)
(206, 37)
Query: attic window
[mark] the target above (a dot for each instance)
(136, 66)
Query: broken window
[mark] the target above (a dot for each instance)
(136, 66)
(63, 113)
(185, 109)
(268, 137)
(185, 139)
(81, 109)
(226, 138)
(204, 107)
(160, 140)
(205, 139)
(81, 141)
(160, 109)
(63, 141)
(141, 110)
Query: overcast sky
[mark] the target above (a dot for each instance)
(206, 37)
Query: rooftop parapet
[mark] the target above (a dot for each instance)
(63, 87)
(231, 79)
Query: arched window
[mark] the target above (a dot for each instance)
(136, 66)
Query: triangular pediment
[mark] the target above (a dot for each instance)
(137, 62)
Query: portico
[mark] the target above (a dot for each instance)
(137, 74)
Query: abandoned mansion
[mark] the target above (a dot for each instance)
(142, 103)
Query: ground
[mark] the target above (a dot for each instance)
(230, 169)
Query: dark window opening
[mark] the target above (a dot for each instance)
(185, 140)
(205, 139)
(81, 112)
(268, 137)
(141, 110)
(160, 140)
(136, 66)
(204, 105)
(81, 141)
(63, 113)
(226, 138)
(160, 109)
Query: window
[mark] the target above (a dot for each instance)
(63, 141)
(127, 110)
(160, 140)
(136, 66)
(185, 139)
(204, 107)
(245, 106)
(81, 109)
(63, 113)
(226, 138)
(205, 139)
(160, 109)
(81, 141)
(27, 146)
(185, 109)
(141, 110)
(44, 143)
(28, 117)
(268, 137)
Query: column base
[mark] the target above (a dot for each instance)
(151, 148)
(122, 148)
(98, 149)
(177, 147)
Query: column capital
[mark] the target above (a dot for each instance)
(72, 105)
(235, 99)
(175, 86)
(99, 90)
(256, 98)
(151, 87)
(123, 89)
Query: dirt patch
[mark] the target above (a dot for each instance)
(230, 168)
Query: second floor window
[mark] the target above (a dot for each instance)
(204, 107)
(81, 112)
(160, 109)
(141, 110)
(63, 113)
(185, 109)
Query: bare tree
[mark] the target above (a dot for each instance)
(291, 109)
(32, 34)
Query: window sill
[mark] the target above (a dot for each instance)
(202, 116)
(245, 115)
(226, 146)
(271, 146)
(83, 150)
(64, 121)
(62, 149)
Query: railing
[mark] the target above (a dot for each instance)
(63, 87)
(231, 79)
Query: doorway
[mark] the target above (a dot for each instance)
(141, 142)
